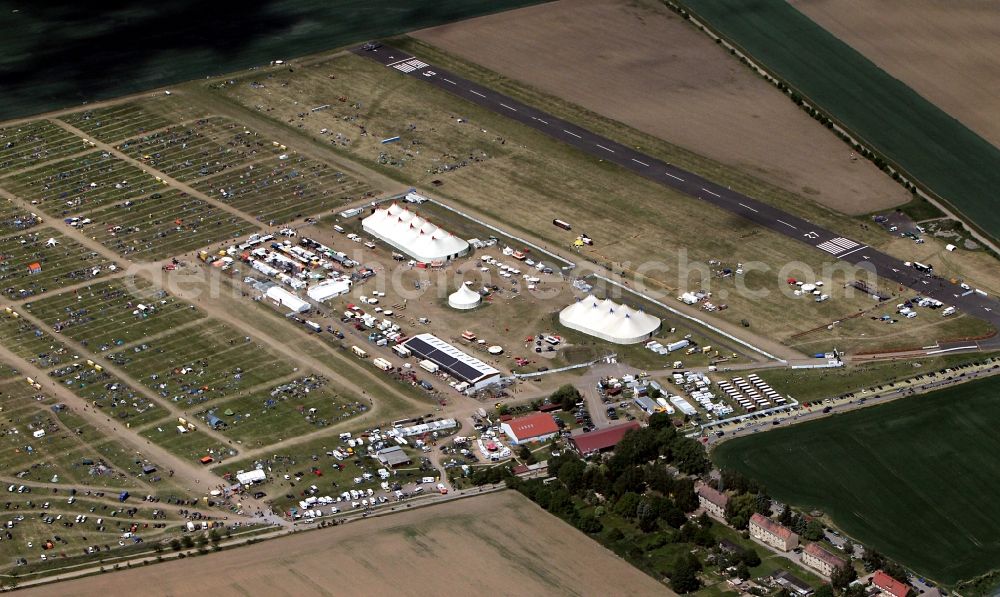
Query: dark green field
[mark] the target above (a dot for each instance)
(932, 146)
(917, 478)
(54, 55)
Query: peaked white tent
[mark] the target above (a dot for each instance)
(413, 235)
(464, 298)
(608, 320)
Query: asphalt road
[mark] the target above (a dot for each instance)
(835, 245)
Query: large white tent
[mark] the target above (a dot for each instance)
(327, 289)
(464, 298)
(609, 320)
(413, 235)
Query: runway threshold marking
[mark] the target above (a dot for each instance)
(476, 92)
(398, 61)
(640, 162)
(604, 148)
(852, 251)
(742, 204)
(786, 224)
(508, 107)
(711, 193)
(672, 176)
(572, 133)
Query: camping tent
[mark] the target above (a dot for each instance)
(464, 298)
(609, 321)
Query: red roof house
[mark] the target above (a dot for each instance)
(537, 427)
(889, 586)
(599, 441)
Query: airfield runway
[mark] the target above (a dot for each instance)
(835, 245)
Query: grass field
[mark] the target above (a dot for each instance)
(925, 141)
(501, 168)
(916, 478)
(36, 262)
(33, 142)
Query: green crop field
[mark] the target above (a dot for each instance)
(915, 479)
(928, 143)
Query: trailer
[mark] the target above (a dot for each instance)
(359, 352)
(383, 364)
(312, 325)
(429, 366)
(562, 224)
(678, 345)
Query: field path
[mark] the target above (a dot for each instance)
(167, 179)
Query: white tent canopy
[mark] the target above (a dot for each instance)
(328, 289)
(413, 235)
(609, 321)
(464, 298)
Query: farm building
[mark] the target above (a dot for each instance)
(771, 533)
(460, 365)
(283, 298)
(329, 289)
(607, 320)
(464, 298)
(537, 427)
(601, 441)
(393, 457)
(712, 501)
(405, 230)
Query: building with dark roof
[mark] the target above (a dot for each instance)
(596, 442)
(455, 362)
(393, 457)
(793, 583)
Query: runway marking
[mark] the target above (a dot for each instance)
(397, 62)
(837, 246)
(638, 162)
(852, 251)
(449, 81)
(572, 133)
(406, 67)
(672, 176)
(540, 120)
(477, 93)
(604, 148)
(508, 107)
(786, 224)
(748, 207)
(710, 192)
(418, 63)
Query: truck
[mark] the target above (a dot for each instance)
(312, 325)
(678, 345)
(401, 350)
(562, 224)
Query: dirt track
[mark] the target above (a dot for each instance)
(498, 544)
(945, 51)
(639, 64)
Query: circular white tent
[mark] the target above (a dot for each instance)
(607, 320)
(464, 298)
(413, 235)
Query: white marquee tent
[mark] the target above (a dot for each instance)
(327, 289)
(464, 298)
(609, 321)
(413, 235)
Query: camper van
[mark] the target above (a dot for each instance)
(382, 364)
(358, 352)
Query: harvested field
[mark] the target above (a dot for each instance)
(945, 51)
(928, 144)
(640, 64)
(529, 553)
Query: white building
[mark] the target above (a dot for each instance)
(283, 298)
(464, 298)
(405, 230)
(608, 320)
(327, 289)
